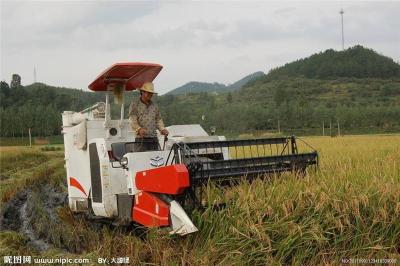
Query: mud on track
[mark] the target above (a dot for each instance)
(40, 213)
(18, 214)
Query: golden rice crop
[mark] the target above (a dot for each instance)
(348, 208)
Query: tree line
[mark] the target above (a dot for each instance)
(291, 103)
(38, 107)
(297, 103)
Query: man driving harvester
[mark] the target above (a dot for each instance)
(145, 118)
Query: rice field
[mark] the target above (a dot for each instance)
(348, 209)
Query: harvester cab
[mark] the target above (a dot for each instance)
(110, 176)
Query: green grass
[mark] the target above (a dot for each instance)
(349, 208)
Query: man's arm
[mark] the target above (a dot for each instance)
(160, 123)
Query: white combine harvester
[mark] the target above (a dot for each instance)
(109, 177)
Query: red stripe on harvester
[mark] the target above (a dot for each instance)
(74, 183)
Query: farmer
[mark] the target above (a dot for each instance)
(145, 118)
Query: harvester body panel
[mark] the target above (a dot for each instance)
(78, 161)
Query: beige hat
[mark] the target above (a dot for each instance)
(148, 86)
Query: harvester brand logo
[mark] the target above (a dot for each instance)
(157, 161)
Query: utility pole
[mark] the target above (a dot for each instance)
(30, 138)
(323, 129)
(330, 128)
(34, 74)
(341, 14)
(279, 127)
(338, 128)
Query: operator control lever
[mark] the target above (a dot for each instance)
(165, 140)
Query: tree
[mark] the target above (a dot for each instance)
(229, 98)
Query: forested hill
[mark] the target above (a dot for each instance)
(196, 87)
(39, 106)
(355, 62)
(39, 94)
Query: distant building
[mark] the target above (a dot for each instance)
(15, 81)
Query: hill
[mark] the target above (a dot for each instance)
(358, 88)
(355, 62)
(197, 87)
(242, 82)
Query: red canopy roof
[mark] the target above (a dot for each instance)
(133, 75)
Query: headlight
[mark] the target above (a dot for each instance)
(123, 162)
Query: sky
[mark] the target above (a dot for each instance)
(70, 42)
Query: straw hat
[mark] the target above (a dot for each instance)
(148, 86)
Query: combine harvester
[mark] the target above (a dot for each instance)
(108, 177)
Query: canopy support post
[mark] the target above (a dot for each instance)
(121, 125)
(108, 110)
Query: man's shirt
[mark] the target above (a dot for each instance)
(145, 116)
